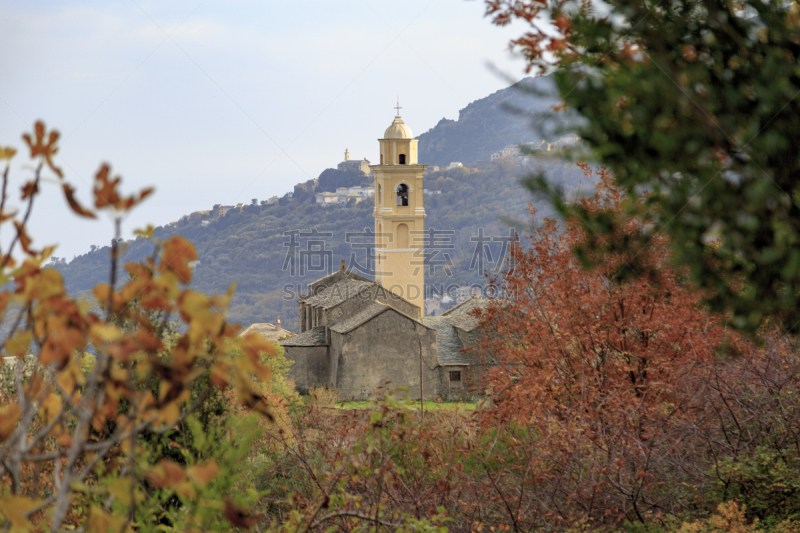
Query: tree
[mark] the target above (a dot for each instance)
(695, 102)
(594, 388)
(93, 385)
(330, 179)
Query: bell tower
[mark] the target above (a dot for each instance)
(400, 215)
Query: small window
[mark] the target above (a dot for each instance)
(455, 375)
(402, 194)
(402, 159)
(380, 200)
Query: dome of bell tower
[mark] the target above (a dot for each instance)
(398, 130)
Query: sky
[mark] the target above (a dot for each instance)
(222, 101)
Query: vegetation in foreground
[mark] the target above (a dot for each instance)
(615, 407)
(621, 403)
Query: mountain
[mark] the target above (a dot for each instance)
(273, 251)
(487, 125)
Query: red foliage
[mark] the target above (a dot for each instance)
(591, 386)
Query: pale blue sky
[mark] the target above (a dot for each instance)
(244, 98)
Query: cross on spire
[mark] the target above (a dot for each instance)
(397, 107)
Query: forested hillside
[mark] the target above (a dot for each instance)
(250, 247)
(487, 125)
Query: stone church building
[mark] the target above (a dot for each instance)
(357, 334)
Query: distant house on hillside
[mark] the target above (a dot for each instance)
(465, 293)
(433, 307)
(273, 332)
(351, 165)
(326, 198)
(220, 210)
(305, 187)
(344, 194)
(521, 151)
(455, 164)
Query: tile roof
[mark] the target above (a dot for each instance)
(447, 342)
(310, 337)
(338, 292)
(362, 317)
(367, 314)
(461, 315)
(334, 277)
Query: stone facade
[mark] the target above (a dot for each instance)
(356, 336)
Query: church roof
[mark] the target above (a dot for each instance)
(367, 314)
(336, 293)
(310, 337)
(398, 130)
(447, 342)
(363, 316)
(332, 278)
(460, 316)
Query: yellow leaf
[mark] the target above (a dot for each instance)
(118, 373)
(101, 291)
(170, 413)
(18, 345)
(46, 284)
(9, 416)
(13, 508)
(185, 490)
(120, 488)
(101, 521)
(7, 153)
(106, 332)
(50, 407)
(72, 374)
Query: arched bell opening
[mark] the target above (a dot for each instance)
(402, 195)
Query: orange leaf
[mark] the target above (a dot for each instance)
(69, 192)
(40, 148)
(24, 239)
(204, 473)
(105, 189)
(177, 254)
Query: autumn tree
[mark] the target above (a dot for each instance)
(594, 378)
(695, 102)
(89, 385)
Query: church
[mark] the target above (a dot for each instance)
(357, 334)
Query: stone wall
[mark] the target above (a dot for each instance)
(471, 386)
(385, 348)
(311, 366)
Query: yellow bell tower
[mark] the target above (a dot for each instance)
(400, 215)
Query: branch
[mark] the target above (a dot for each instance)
(353, 514)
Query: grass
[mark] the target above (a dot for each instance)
(429, 406)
